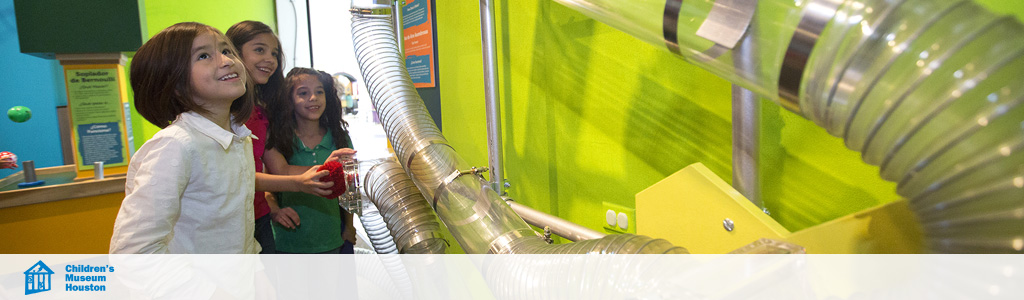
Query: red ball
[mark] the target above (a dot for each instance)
(337, 175)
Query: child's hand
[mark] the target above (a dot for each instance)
(342, 154)
(309, 182)
(287, 217)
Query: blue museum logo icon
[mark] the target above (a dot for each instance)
(37, 278)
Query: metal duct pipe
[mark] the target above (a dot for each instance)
(474, 214)
(746, 126)
(396, 14)
(569, 230)
(407, 214)
(929, 90)
(492, 105)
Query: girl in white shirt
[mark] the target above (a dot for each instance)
(190, 187)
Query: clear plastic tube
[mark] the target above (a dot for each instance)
(377, 230)
(476, 216)
(653, 22)
(409, 218)
(929, 90)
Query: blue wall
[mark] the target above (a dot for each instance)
(32, 82)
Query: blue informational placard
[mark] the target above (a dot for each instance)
(418, 39)
(418, 67)
(100, 142)
(414, 14)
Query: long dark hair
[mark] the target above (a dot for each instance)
(281, 112)
(242, 33)
(161, 76)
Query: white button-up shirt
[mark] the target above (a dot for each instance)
(189, 190)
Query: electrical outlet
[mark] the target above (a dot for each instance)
(618, 218)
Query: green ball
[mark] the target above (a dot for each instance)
(19, 114)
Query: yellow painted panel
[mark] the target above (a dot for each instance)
(80, 226)
(688, 209)
(887, 228)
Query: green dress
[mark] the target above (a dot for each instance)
(320, 218)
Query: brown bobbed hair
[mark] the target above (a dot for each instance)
(281, 113)
(242, 33)
(160, 77)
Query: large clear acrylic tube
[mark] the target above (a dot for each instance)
(675, 25)
(929, 90)
(476, 216)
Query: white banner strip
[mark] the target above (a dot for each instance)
(511, 276)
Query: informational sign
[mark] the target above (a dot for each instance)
(97, 115)
(418, 34)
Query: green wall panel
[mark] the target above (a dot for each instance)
(161, 14)
(592, 115)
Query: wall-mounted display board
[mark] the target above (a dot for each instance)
(96, 101)
(418, 37)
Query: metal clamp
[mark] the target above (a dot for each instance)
(416, 153)
(452, 177)
(727, 22)
(817, 14)
(725, 25)
(474, 171)
(378, 11)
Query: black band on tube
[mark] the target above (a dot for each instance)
(670, 24)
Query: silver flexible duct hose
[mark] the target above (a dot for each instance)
(377, 230)
(933, 96)
(929, 90)
(474, 213)
(406, 213)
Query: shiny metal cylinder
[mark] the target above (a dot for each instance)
(396, 14)
(97, 169)
(746, 125)
(561, 227)
(492, 103)
(29, 167)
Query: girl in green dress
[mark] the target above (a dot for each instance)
(305, 128)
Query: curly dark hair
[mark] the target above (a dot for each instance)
(281, 114)
(242, 33)
(160, 76)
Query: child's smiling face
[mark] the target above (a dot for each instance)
(217, 74)
(260, 55)
(309, 98)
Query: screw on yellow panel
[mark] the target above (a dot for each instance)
(690, 208)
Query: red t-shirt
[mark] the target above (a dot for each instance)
(258, 125)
